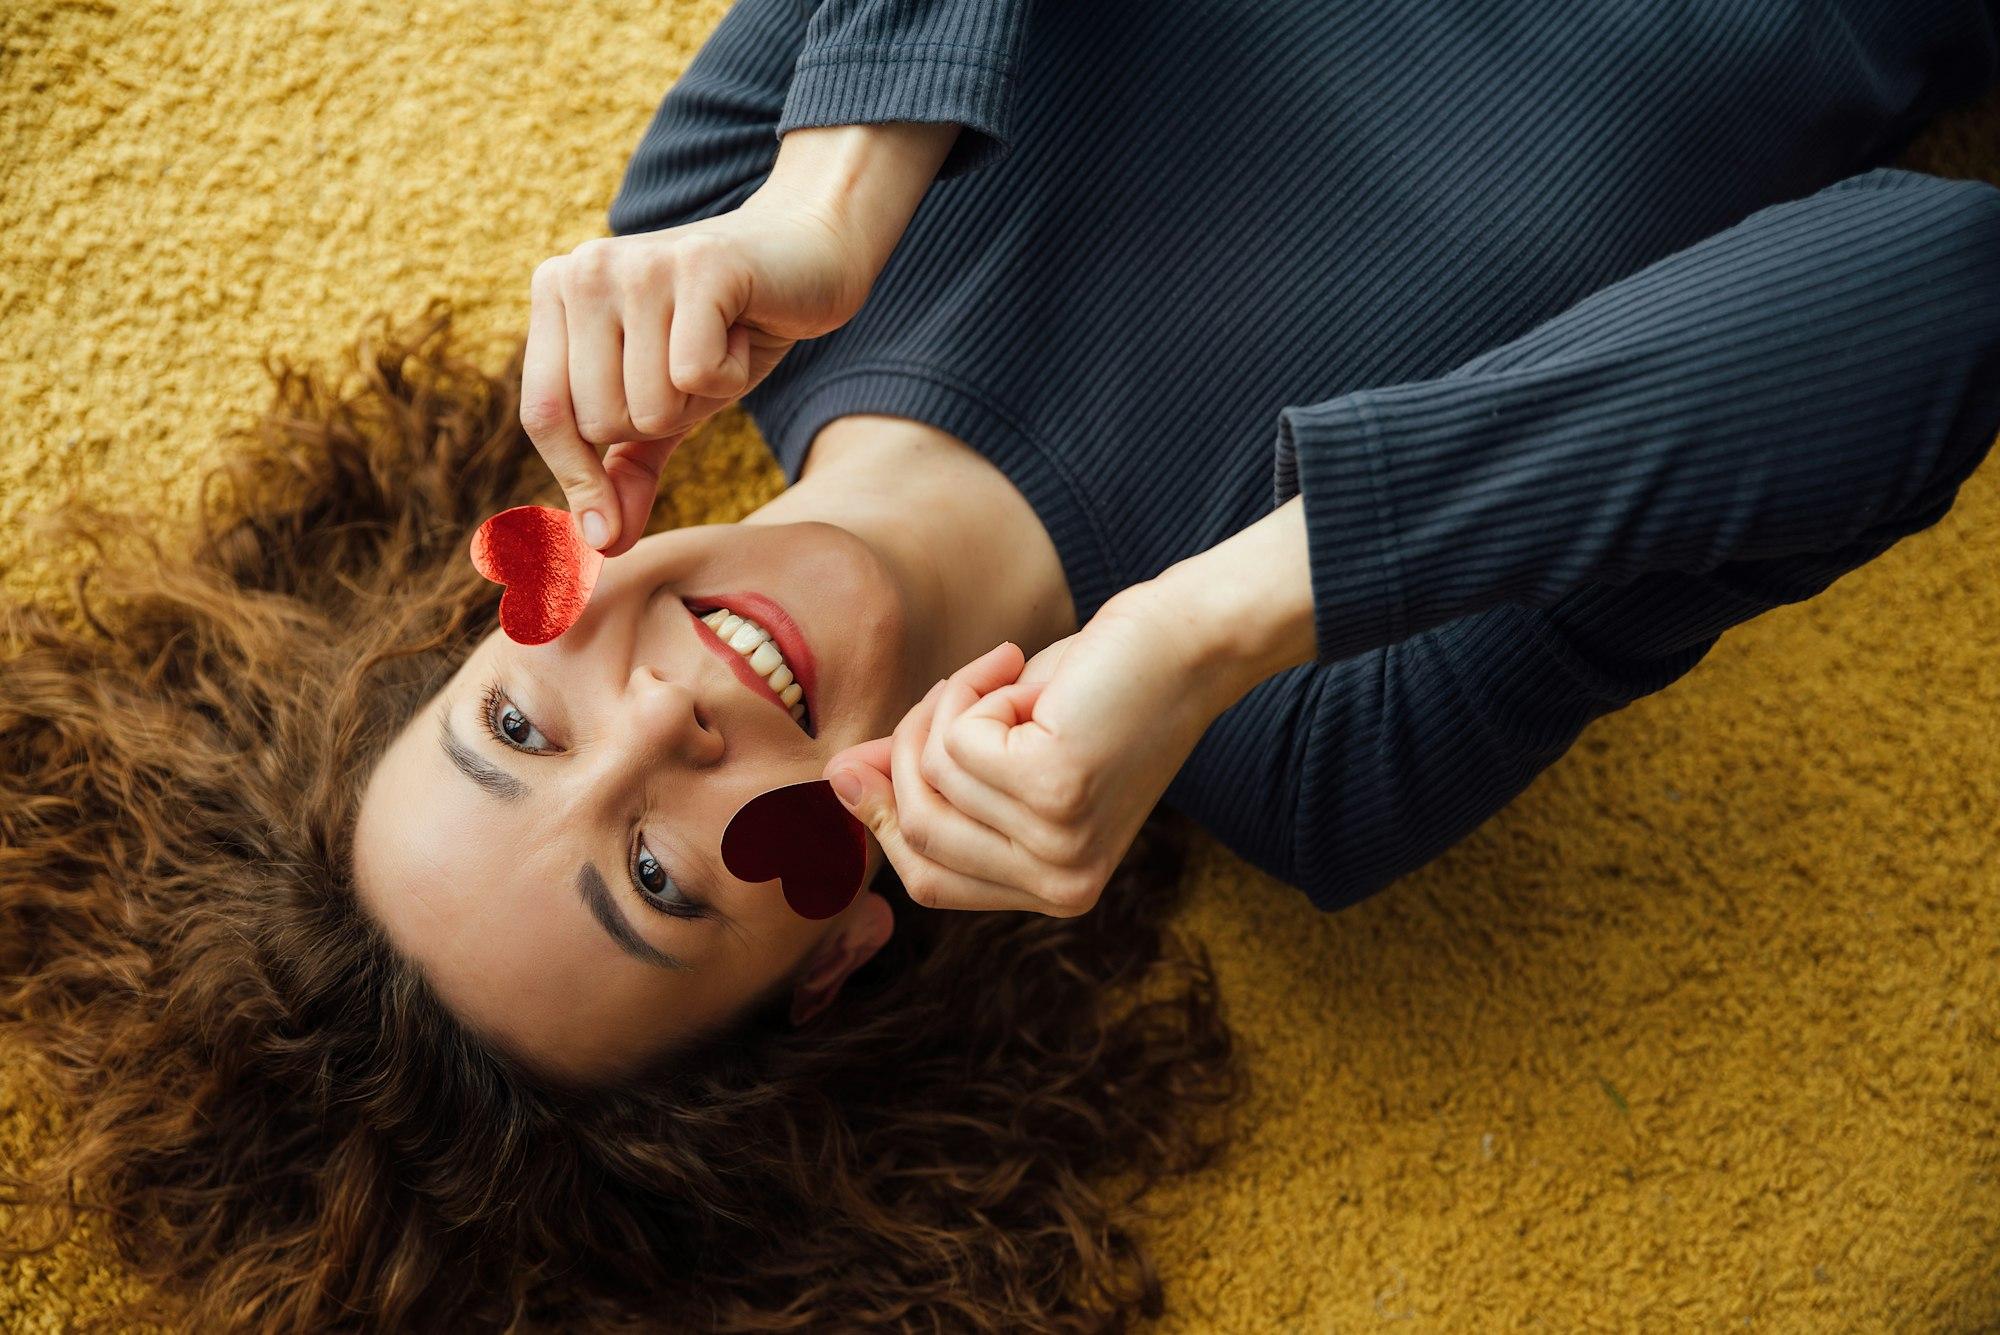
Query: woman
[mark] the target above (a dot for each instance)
(1629, 346)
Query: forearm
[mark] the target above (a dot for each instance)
(863, 181)
(1248, 602)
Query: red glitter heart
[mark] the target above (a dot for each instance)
(548, 570)
(803, 836)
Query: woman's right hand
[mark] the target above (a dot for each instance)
(633, 341)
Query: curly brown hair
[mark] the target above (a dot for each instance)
(284, 1128)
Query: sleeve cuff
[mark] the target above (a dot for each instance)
(929, 83)
(1332, 454)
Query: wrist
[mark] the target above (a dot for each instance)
(1248, 602)
(863, 182)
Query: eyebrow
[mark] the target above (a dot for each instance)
(590, 886)
(487, 775)
(596, 896)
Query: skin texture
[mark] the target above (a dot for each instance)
(1017, 781)
(901, 553)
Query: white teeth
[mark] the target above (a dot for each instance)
(751, 640)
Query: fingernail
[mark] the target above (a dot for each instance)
(595, 531)
(846, 786)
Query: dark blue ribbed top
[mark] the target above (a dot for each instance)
(1584, 332)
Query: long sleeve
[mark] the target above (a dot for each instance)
(1772, 389)
(772, 66)
(866, 61)
(1339, 778)
(1569, 523)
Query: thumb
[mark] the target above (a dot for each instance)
(873, 754)
(871, 796)
(1043, 665)
(634, 469)
(708, 354)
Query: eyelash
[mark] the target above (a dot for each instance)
(685, 907)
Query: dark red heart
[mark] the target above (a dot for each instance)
(548, 570)
(803, 836)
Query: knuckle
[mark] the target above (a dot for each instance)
(654, 265)
(601, 430)
(917, 834)
(589, 267)
(696, 252)
(543, 413)
(575, 482)
(707, 381)
(1064, 845)
(922, 887)
(931, 765)
(1060, 794)
(956, 744)
(653, 422)
(1075, 894)
(640, 470)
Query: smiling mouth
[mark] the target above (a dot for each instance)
(756, 652)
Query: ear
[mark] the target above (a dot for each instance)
(865, 927)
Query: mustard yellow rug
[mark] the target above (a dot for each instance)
(1700, 1033)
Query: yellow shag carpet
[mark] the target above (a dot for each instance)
(1698, 1034)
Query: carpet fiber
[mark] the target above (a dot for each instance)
(1698, 1033)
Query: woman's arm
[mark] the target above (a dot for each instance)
(1724, 433)
(774, 183)
(1772, 390)
(862, 182)
(1474, 567)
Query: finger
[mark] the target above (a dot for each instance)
(634, 468)
(964, 790)
(928, 883)
(996, 667)
(702, 359)
(991, 670)
(656, 408)
(547, 416)
(597, 370)
(1043, 665)
(997, 740)
(975, 867)
(874, 754)
(944, 834)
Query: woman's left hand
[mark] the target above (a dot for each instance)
(1021, 785)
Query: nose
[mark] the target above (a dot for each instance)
(664, 720)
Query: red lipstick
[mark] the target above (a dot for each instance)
(785, 632)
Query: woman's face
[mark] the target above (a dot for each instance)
(544, 836)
